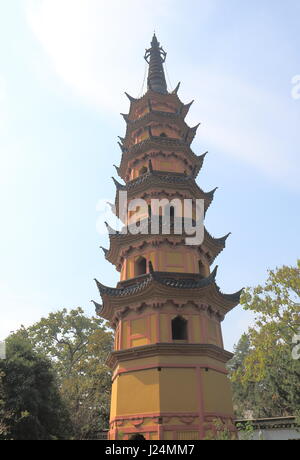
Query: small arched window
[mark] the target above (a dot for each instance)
(163, 135)
(140, 266)
(179, 328)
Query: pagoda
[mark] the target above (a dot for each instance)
(169, 377)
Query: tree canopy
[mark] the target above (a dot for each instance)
(54, 382)
(78, 346)
(31, 406)
(265, 377)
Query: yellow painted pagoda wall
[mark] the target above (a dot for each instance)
(179, 260)
(166, 129)
(161, 207)
(214, 400)
(160, 163)
(157, 104)
(168, 398)
(156, 327)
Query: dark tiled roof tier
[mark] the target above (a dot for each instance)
(153, 115)
(182, 108)
(120, 241)
(165, 285)
(188, 134)
(164, 180)
(156, 146)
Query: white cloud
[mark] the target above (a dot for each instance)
(248, 122)
(95, 47)
(92, 43)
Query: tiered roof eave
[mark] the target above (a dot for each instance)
(165, 183)
(159, 288)
(168, 349)
(183, 109)
(126, 240)
(179, 145)
(159, 116)
(155, 147)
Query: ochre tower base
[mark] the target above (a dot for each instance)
(171, 392)
(169, 363)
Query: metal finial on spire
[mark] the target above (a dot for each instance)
(155, 41)
(156, 56)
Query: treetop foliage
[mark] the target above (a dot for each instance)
(265, 377)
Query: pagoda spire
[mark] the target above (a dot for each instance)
(156, 56)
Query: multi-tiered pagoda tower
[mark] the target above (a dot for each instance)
(168, 363)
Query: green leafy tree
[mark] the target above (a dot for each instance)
(243, 395)
(266, 378)
(78, 347)
(4, 415)
(246, 431)
(32, 406)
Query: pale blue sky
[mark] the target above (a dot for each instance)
(64, 67)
